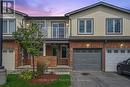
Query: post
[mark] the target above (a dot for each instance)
(44, 49)
(2, 70)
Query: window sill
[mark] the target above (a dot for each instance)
(85, 33)
(114, 33)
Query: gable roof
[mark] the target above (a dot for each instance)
(98, 4)
(20, 13)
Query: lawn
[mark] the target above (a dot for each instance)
(15, 81)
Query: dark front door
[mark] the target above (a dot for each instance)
(87, 59)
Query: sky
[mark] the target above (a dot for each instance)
(60, 7)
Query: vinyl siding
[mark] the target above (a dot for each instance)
(99, 14)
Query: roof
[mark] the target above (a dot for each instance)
(20, 13)
(45, 17)
(91, 38)
(98, 4)
(82, 38)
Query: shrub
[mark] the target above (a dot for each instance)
(26, 75)
(41, 67)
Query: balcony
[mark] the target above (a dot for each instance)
(55, 32)
(50, 32)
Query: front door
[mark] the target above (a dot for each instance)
(63, 55)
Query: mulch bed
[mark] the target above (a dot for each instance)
(45, 79)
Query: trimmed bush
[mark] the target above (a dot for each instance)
(26, 75)
(41, 67)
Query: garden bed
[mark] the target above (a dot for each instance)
(13, 80)
(45, 79)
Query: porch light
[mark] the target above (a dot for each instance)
(27, 24)
(121, 45)
(87, 45)
(67, 24)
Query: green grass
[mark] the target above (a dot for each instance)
(14, 81)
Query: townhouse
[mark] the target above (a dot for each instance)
(94, 38)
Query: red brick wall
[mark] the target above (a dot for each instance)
(51, 60)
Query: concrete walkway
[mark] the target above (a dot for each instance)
(99, 79)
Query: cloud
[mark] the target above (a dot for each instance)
(34, 12)
(60, 7)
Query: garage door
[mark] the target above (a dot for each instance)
(114, 56)
(87, 59)
(8, 59)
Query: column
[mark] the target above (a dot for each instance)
(44, 49)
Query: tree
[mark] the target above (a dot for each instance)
(30, 39)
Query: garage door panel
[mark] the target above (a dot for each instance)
(8, 59)
(113, 58)
(87, 59)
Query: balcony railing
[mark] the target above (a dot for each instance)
(55, 32)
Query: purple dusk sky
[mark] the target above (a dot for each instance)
(60, 7)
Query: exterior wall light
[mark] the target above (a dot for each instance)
(87, 45)
(121, 45)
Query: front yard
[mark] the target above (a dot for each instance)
(15, 81)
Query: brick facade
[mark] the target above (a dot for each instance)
(97, 44)
(50, 60)
(73, 44)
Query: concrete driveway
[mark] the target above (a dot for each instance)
(99, 79)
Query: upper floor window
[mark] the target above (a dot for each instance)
(114, 25)
(41, 25)
(9, 26)
(85, 26)
(58, 30)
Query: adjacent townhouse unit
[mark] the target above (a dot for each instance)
(93, 38)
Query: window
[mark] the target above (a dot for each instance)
(10, 50)
(4, 50)
(114, 25)
(41, 51)
(115, 51)
(122, 51)
(54, 52)
(58, 30)
(85, 26)
(128, 62)
(109, 51)
(41, 25)
(64, 52)
(128, 51)
(9, 26)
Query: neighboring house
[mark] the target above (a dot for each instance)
(93, 38)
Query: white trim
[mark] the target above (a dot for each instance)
(44, 49)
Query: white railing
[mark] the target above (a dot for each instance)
(55, 32)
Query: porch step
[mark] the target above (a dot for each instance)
(58, 70)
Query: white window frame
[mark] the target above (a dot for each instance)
(85, 20)
(57, 29)
(113, 19)
(8, 28)
(44, 29)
